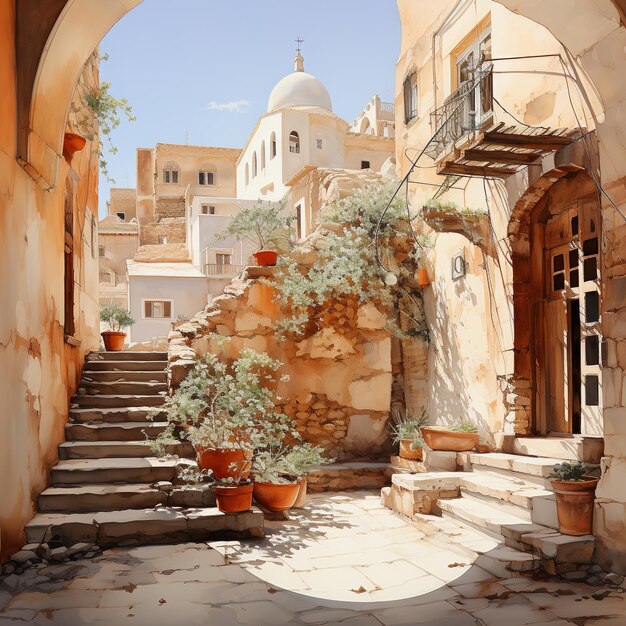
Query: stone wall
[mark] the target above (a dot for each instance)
(172, 228)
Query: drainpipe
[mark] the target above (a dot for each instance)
(445, 21)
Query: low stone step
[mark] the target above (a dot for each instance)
(108, 449)
(123, 431)
(156, 376)
(112, 470)
(133, 388)
(346, 476)
(586, 449)
(131, 527)
(124, 366)
(105, 402)
(115, 415)
(509, 489)
(126, 355)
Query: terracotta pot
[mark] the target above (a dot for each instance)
(574, 505)
(422, 277)
(449, 440)
(276, 498)
(266, 258)
(234, 499)
(301, 497)
(406, 452)
(225, 462)
(72, 143)
(113, 340)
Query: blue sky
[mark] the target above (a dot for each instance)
(205, 68)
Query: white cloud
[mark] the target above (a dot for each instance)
(235, 106)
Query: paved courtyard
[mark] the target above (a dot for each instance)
(344, 559)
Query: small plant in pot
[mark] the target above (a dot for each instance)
(462, 437)
(575, 494)
(300, 460)
(116, 317)
(407, 433)
(263, 225)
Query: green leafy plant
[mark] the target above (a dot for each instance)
(280, 464)
(465, 427)
(409, 428)
(115, 316)
(263, 224)
(301, 458)
(105, 113)
(571, 472)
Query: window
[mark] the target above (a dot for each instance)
(273, 146)
(365, 165)
(208, 209)
(262, 156)
(223, 259)
(474, 76)
(157, 309)
(170, 172)
(101, 252)
(294, 142)
(254, 165)
(121, 215)
(163, 239)
(410, 97)
(319, 144)
(247, 175)
(206, 177)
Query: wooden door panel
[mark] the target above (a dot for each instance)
(556, 363)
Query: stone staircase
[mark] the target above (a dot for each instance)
(500, 512)
(107, 487)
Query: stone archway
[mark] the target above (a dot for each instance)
(49, 66)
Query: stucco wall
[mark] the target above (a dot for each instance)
(40, 370)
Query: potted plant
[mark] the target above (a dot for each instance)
(274, 489)
(300, 460)
(116, 317)
(407, 433)
(575, 493)
(461, 438)
(264, 225)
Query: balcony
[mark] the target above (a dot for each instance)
(387, 111)
(467, 140)
(221, 270)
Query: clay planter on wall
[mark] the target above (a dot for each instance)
(406, 452)
(422, 277)
(72, 143)
(113, 340)
(449, 440)
(574, 505)
(234, 499)
(276, 498)
(225, 463)
(266, 258)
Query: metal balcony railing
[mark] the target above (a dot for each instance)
(463, 112)
(221, 269)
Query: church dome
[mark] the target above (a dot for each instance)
(299, 89)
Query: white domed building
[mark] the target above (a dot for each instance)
(300, 131)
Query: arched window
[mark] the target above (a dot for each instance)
(365, 124)
(247, 175)
(262, 156)
(273, 146)
(171, 172)
(254, 165)
(294, 142)
(207, 176)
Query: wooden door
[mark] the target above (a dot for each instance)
(557, 366)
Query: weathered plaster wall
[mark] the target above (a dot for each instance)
(40, 369)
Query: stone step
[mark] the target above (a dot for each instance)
(586, 449)
(112, 470)
(108, 449)
(105, 402)
(126, 355)
(113, 497)
(124, 366)
(129, 527)
(116, 415)
(123, 431)
(133, 388)
(156, 376)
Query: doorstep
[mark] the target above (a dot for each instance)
(585, 449)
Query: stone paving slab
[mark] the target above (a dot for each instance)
(330, 563)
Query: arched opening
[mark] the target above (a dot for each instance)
(247, 174)
(272, 146)
(294, 142)
(254, 165)
(365, 124)
(263, 156)
(170, 173)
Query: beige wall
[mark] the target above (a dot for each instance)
(41, 369)
(123, 200)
